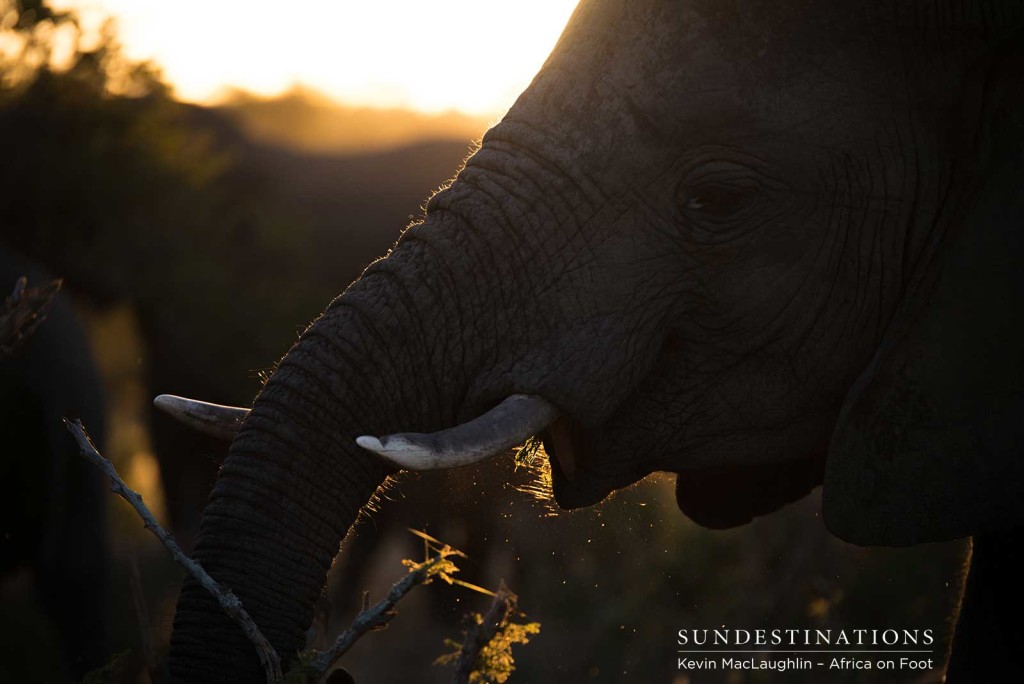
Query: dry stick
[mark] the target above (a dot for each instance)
(498, 614)
(227, 600)
(378, 615)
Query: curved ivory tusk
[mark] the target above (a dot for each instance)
(212, 419)
(503, 427)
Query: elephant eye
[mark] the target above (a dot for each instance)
(717, 201)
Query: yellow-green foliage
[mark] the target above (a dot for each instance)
(530, 452)
(532, 458)
(494, 664)
(440, 566)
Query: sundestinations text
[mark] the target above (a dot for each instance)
(805, 637)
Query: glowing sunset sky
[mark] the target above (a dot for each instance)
(431, 55)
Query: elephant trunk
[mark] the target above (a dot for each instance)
(286, 496)
(295, 481)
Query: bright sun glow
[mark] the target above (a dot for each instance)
(471, 55)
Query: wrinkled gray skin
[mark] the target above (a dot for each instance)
(725, 240)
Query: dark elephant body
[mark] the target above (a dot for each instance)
(727, 240)
(53, 502)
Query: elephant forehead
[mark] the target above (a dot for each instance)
(617, 64)
(690, 72)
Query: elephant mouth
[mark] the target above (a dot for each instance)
(561, 444)
(570, 452)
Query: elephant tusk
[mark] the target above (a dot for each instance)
(509, 423)
(212, 419)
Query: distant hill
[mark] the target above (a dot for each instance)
(349, 206)
(306, 121)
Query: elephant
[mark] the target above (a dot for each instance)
(53, 504)
(764, 246)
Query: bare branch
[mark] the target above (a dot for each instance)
(378, 615)
(227, 600)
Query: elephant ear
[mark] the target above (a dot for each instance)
(928, 445)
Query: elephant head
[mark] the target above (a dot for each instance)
(720, 239)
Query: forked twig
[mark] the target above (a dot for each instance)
(378, 615)
(227, 600)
